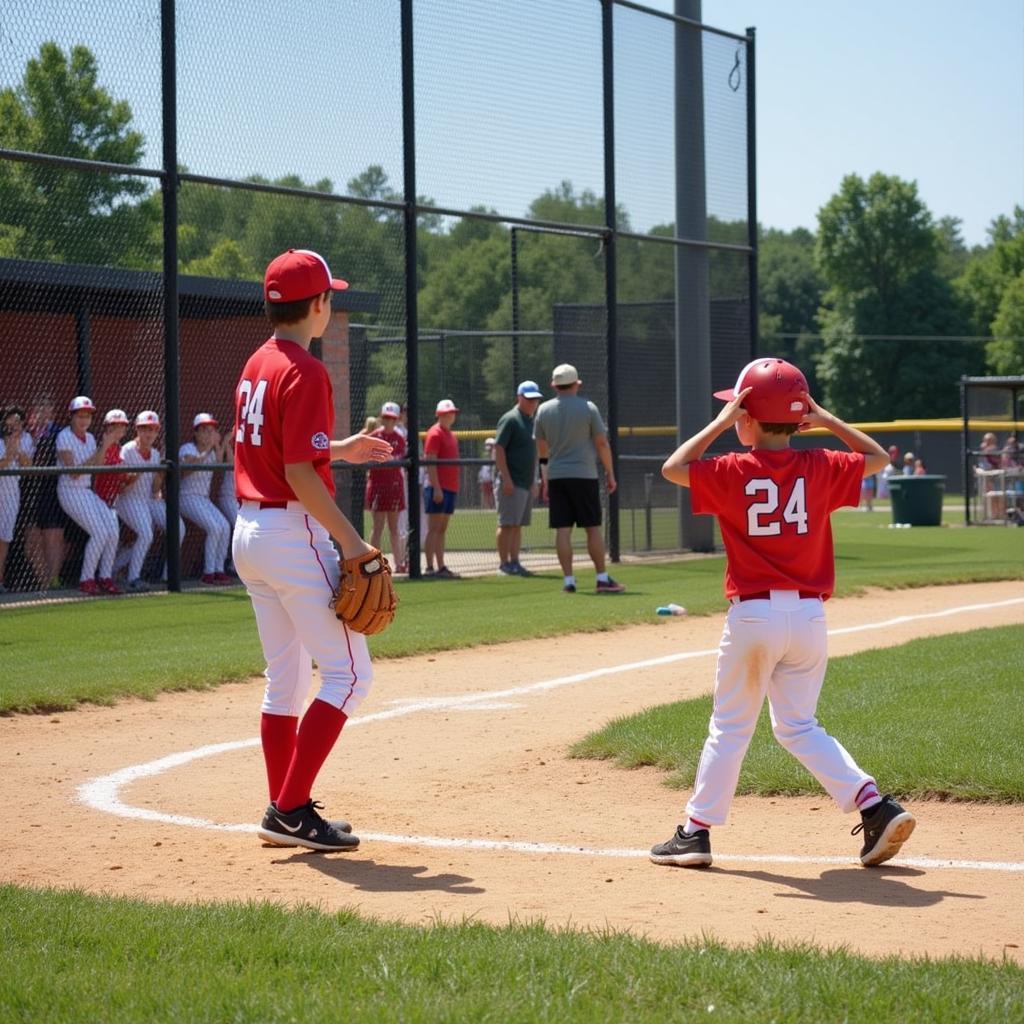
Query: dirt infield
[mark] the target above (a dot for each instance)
(467, 752)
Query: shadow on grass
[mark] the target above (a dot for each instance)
(369, 876)
(879, 887)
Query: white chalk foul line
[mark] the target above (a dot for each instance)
(103, 794)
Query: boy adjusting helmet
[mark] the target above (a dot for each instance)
(778, 395)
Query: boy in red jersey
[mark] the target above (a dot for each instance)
(773, 505)
(282, 547)
(385, 487)
(442, 489)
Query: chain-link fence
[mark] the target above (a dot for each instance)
(505, 186)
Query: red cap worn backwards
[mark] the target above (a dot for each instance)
(299, 274)
(777, 395)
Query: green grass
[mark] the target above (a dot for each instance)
(69, 957)
(936, 718)
(472, 529)
(55, 656)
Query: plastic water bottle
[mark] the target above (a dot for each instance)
(671, 609)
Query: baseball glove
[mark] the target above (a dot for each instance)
(365, 599)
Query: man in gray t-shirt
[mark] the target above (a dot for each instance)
(571, 437)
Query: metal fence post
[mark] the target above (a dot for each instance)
(172, 370)
(514, 257)
(752, 239)
(412, 378)
(610, 283)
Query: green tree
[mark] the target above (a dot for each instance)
(876, 378)
(69, 215)
(988, 279)
(953, 256)
(878, 253)
(790, 292)
(1005, 353)
(874, 235)
(227, 261)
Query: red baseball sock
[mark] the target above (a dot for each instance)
(278, 735)
(321, 726)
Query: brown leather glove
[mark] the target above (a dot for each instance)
(365, 599)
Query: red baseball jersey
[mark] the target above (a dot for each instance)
(441, 443)
(109, 485)
(390, 474)
(284, 412)
(773, 510)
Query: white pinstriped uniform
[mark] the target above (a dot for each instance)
(197, 508)
(140, 511)
(87, 508)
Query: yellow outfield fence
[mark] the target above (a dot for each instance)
(950, 425)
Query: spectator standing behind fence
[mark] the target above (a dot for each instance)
(45, 545)
(442, 488)
(385, 487)
(140, 506)
(196, 506)
(109, 485)
(485, 476)
(16, 448)
(77, 447)
(515, 484)
(891, 469)
(402, 427)
(867, 494)
(571, 436)
(908, 463)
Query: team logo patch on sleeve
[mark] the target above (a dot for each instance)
(320, 441)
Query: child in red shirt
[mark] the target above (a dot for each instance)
(442, 489)
(773, 504)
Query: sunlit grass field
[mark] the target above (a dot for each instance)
(97, 650)
(70, 957)
(900, 708)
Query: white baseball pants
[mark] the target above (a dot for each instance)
(777, 648)
(291, 569)
(142, 516)
(203, 513)
(98, 520)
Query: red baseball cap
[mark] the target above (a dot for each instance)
(299, 274)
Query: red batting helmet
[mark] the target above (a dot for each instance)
(778, 391)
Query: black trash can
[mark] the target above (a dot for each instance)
(917, 500)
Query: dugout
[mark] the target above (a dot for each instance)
(993, 476)
(69, 329)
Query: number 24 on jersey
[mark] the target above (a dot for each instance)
(762, 518)
(250, 411)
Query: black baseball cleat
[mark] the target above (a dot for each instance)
(685, 851)
(886, 828)
(305, 827)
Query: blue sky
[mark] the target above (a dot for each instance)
(925, 89)
(929, 90)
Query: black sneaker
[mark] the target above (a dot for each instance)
(520, 570)
(305, 827)
(693, 851)
(569, 588)
(610, 586)
(886, 828)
